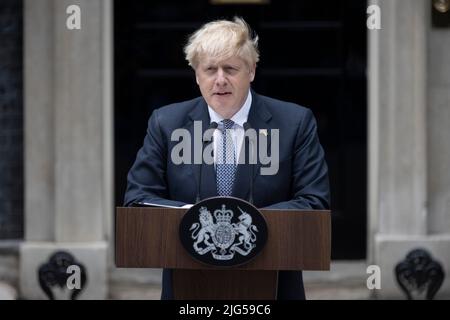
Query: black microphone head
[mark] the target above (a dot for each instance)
(247, 126)
(213, 125)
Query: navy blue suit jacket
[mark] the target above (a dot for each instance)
(300, 183)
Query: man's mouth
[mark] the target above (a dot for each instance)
(222, 93)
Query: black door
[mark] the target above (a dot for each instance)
(312, 53)
(11, 120)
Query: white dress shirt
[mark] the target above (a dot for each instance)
(237, 132)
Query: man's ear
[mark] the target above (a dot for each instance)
(196, 78)
(252, 73)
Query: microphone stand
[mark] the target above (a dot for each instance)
(250, 156)
(213, 125)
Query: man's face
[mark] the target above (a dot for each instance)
(224, 84)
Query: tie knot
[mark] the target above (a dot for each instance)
(228, 124)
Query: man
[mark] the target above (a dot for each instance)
(223, 55)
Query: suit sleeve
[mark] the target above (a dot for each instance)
(147, 177)
(310, 185)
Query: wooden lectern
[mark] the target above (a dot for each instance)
(297, 240)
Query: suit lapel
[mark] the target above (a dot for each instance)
(258, 118)
(208, 176)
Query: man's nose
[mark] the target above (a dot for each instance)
(221, 79)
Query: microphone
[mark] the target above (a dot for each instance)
(205, 140)
(247, 126)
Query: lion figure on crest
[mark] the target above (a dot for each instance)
(204, 233)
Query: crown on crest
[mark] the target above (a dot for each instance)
(223, 215)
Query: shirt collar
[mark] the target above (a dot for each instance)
(239, 118)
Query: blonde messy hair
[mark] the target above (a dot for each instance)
(222, 39)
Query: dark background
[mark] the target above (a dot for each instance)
(11, 120)
(313, 53)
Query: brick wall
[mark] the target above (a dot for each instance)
(11, 120)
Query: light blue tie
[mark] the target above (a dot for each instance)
(226, 161)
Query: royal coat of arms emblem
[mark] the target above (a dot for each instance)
(222, 237)
(223, 231)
